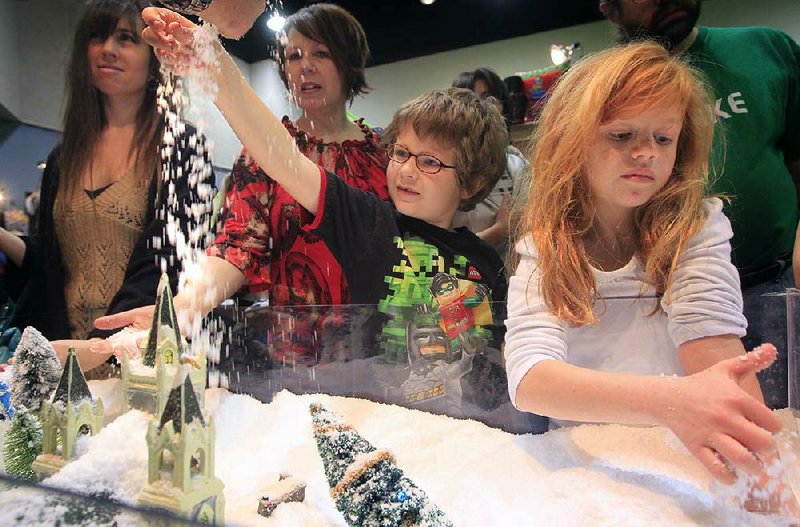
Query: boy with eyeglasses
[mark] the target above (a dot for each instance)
(447, 151)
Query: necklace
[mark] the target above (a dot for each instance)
(608, 256)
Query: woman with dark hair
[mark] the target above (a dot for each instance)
(463, 80)
(261, 245)
(486, 83)
(490, 219)
(322, 53)
(101, 191)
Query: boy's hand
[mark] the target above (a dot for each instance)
(730, 428)
(172, 37)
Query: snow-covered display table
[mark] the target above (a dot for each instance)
(479, 476)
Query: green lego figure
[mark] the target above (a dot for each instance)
(410, 287)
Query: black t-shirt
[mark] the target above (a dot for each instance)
(388, 257)
(450, 339)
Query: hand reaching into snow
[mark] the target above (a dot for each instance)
(122, 343)
(769, 492)
(719, 422)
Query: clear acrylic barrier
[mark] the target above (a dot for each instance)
(415, 357)
(793, 323)
(409, 359)
(424, 358)
(23, 503)
(790, 437)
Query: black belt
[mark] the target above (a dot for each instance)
(750, 276)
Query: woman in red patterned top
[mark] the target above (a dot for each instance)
(261, 245)
(322, 54)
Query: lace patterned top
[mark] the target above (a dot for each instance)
(96, 235)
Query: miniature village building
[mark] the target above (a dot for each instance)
(181, 460)
(147, 381)
(71, 414)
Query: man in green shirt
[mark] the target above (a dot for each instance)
(755, 74)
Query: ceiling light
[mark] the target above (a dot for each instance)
(276, 22)
(560, 53)
(426, 2)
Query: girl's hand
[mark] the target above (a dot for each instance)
(172, 37)
(87, 356)
(504, 212)
(720, 423)
(769, 492)
(498, 231)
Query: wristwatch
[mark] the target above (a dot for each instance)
(190, 7)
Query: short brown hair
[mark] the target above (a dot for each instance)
(457, 118)
(335, 27)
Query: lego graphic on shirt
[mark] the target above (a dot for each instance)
(410, 287)
(460, 304)
(438, 309)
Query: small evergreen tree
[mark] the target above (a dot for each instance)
(366, 484)
(36, 374)
(36, 371)
(23, 444)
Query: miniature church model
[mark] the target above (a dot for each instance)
(181, 459)
(71, 414)
(148, 380)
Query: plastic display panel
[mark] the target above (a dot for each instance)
(24, 503)
(790, 444)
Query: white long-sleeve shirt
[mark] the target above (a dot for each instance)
(705, 300)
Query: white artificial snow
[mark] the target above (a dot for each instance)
(591, 475)
(127, 341)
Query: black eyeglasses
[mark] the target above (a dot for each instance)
(425, 162)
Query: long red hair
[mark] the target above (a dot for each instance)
(560, 211)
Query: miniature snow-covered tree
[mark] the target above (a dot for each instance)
(366, 484)
(36, 374)
(36, 371)
(23, 443)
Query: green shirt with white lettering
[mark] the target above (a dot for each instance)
(755, 75)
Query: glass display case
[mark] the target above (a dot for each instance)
(790, 437)
(403, 358)
(413, 358)
(23, 503)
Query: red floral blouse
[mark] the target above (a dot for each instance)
(262, 233)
